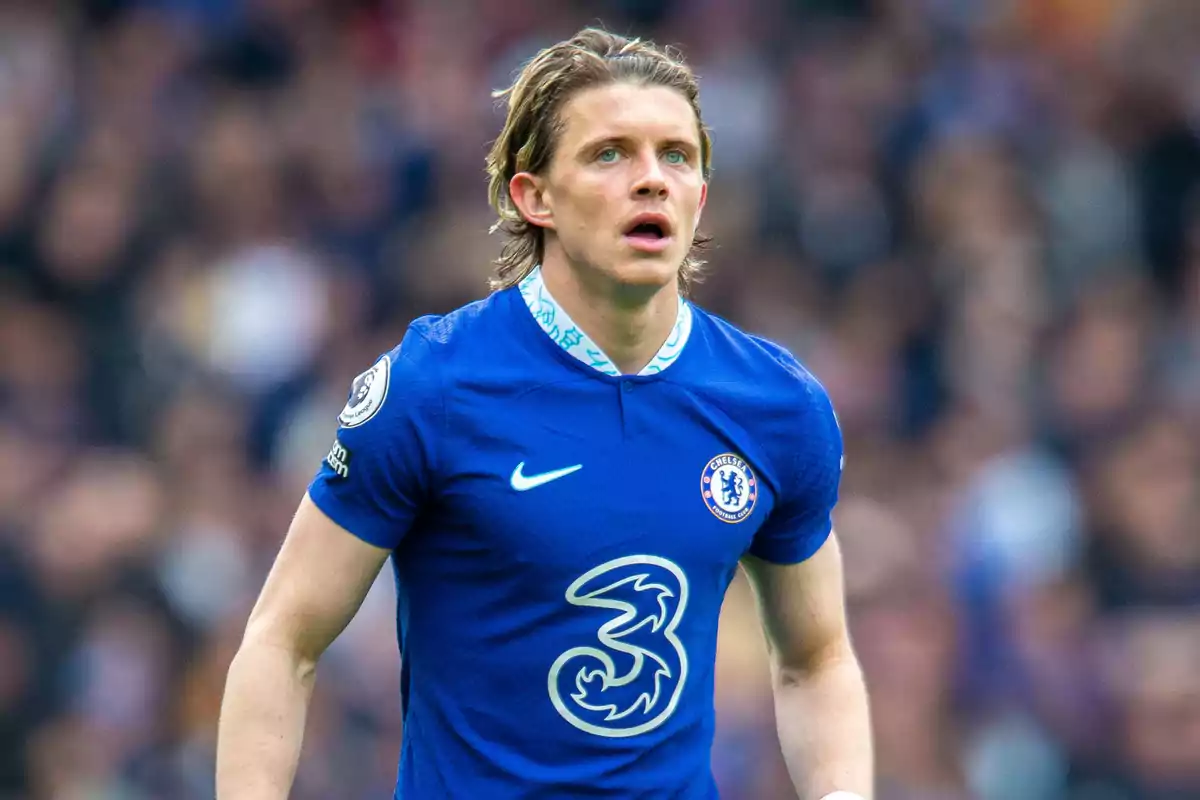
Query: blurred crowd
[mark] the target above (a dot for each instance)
(976, 221)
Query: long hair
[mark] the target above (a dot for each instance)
(591, 58)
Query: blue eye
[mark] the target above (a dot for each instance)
(676, 157)
(608, 155)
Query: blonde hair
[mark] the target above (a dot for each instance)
(592, 57)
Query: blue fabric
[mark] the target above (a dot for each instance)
(563, 539)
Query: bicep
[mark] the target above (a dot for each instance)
(318, 582)
(802, 607)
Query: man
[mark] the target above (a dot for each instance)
(566, 476)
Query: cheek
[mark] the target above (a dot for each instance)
(587, 210)
(693, 199)
(591, 206)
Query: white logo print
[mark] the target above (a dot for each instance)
(632, 681)
(367, 394)
(523, 483)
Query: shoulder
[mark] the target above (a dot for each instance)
(434, 337)
(775, 374)
(412, 375)
(434, 344)
(785, 405)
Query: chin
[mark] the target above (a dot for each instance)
(646, 272)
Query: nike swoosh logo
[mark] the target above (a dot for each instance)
(523, 483)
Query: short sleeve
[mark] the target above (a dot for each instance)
(810, 456)
(377, 475)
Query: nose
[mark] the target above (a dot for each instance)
(650, 181)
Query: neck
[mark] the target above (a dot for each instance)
(629, 323)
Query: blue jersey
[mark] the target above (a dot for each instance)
(563, 537)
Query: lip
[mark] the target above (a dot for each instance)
(651, 218)
(650, 245)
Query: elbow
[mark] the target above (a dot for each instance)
(803, 666)
(262, 639)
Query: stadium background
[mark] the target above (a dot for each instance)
(977, 221)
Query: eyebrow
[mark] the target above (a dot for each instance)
(683, 144)
(601, 141)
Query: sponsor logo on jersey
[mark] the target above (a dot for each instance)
(627, 677)
(339, 459)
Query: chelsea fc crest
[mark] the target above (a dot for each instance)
(367, 394)
(729, 488)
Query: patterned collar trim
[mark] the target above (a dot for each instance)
(562, 329)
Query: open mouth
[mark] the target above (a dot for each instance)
(647, 231)
(650, 233)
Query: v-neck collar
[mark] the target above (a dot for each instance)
(558, 325)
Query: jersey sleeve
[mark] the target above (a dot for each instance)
(377, 475)
(810, 456)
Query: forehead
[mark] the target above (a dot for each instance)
(628, 110)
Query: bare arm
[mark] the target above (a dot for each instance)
(820, 697)
(317, 584)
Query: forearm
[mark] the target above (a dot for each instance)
(824, 728)
(262, 723)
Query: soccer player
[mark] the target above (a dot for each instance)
(566, 476)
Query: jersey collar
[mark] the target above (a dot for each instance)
(554, 320)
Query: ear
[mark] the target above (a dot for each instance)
(528, 192)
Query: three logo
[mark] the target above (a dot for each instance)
(629, 680)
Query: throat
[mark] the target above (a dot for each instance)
(629, 326)
(631, 340)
